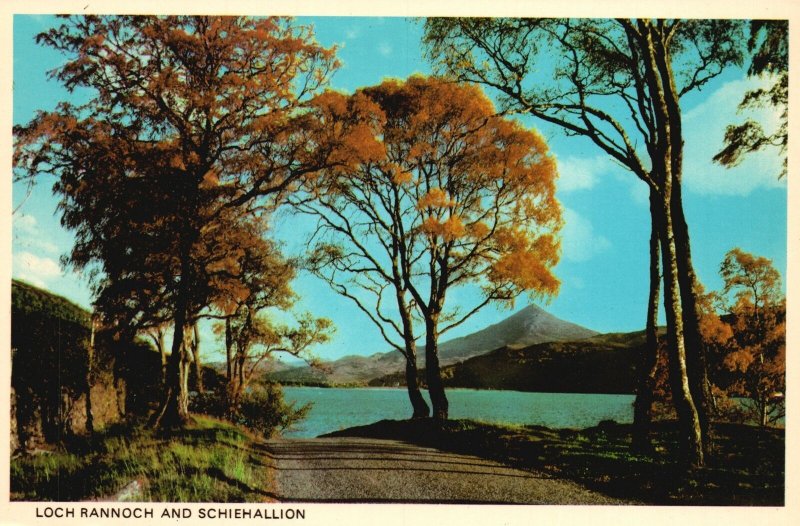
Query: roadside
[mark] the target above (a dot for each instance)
(213, 461)
(747, 469)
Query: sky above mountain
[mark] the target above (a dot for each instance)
(604, 266)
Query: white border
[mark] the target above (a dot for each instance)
(414, 514)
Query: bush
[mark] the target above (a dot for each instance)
(262, 409)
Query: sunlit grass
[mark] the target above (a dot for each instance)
(210, 462)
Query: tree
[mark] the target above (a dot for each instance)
(363, 227)
(460, 196)
(647, 367)
(757, 352)
(157, 335)
(619, 84)
(192, 118)
(769, 44)
(256, 340)
(257, 280)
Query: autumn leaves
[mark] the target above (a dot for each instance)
(439, 191)
(199, 128)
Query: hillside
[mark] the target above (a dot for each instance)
(529, 326)
(49, 374)
(601, 364)
(59, 387)
(27, 299)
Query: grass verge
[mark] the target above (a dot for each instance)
(747, 468)
(212, 461)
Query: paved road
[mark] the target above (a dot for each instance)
(369, 470)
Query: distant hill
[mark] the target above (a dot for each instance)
(529, 326)
(601, 364)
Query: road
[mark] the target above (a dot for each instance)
(370, 470)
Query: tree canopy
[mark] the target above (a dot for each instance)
(442, 193)
(769, 46)
(194, 121)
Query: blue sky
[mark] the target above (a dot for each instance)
(604, 267)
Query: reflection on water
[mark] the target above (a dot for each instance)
(339, 408)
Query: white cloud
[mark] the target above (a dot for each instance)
(384, 49)
(41, 244)
(704, 130)
(585, 173)
(25, 224)
(579, 173)
(27, 234)
(639, 191)
(34, 269)
(352, 33)
(579, 242)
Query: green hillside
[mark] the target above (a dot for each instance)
(49, 365)
(52, 372)
(27, 299)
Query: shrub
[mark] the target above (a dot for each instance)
(262, 408)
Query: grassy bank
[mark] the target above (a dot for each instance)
(747, 469)
(212, 461)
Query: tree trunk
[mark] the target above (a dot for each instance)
(667, 159)
(228, 344)
(688, 419)
(198, 367)
(185, 370)
(695, 346)
(89, 365)
(642, 407)
(433, 373)
(418, 403)
(174, 411)
(240, 378)
(235, 384)
(163, 352)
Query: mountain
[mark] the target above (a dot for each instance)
(529, 326)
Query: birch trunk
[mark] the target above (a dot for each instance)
(643, 405)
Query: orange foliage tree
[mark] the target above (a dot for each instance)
(191, 119)
(744, 328)
(443, 193)
(254, 281)
(756, 357)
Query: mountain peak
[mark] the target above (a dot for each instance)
(529, 326)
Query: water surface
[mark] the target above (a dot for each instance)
(340, 408)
